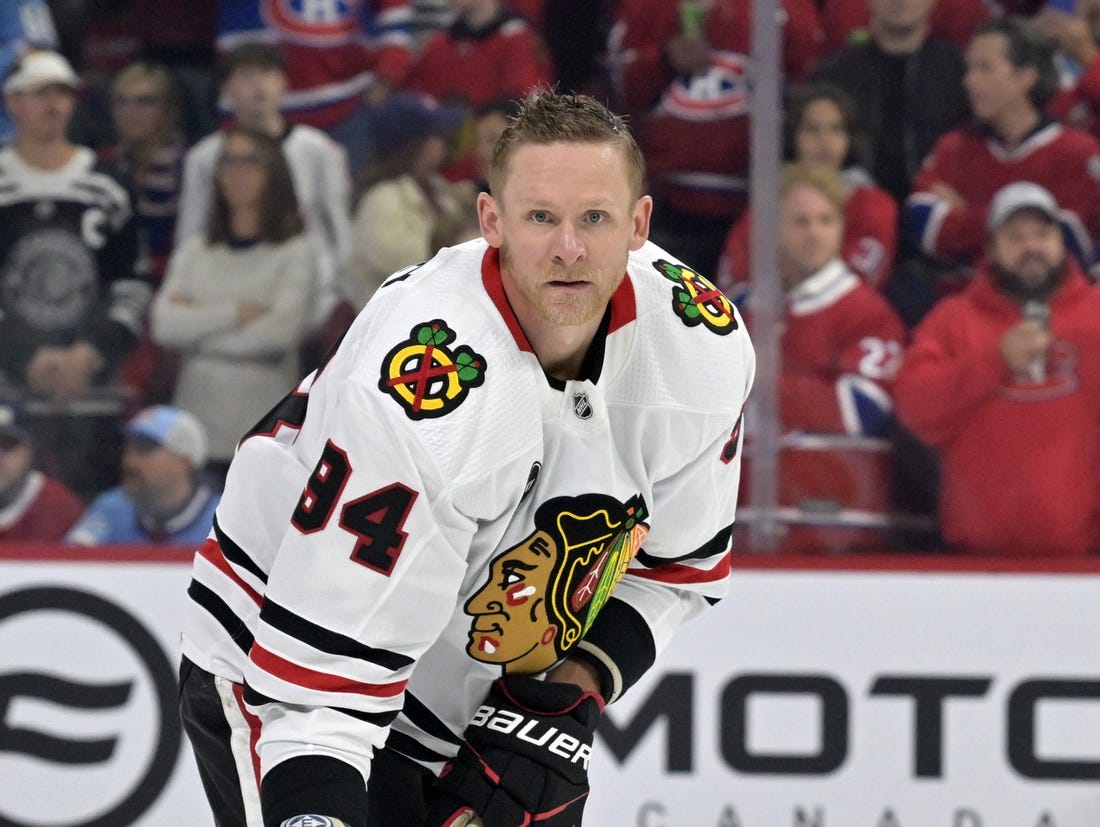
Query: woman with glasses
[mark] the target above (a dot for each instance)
(236, 298)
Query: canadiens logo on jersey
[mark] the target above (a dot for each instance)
(317, 20)
(428, 378)
(722, 90)
(543, 593)
(696, 301)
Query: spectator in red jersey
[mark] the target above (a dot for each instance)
(1003, 381)
(489, 53)
(842, 342)
(820, 128)
(840, 348)
(33, 507)
(907, 86)
(955, 21)
(682, 72)
(1010, 78)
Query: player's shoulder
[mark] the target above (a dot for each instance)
(439, 317)
(681, 304)
(688, 337)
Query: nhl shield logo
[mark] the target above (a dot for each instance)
(582, 408)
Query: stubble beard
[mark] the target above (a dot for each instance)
(562, 309)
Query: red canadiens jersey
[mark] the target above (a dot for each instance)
(695, 130)
(334, 50)
(870, 241)
(841, 348)
(430, 475)
(1019, 457)
(975, 164)
(43, 511)
(502, 61)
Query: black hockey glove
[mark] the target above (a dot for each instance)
(524, 760)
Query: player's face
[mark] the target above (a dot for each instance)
(255, 92)
(810, 232)
(511, 622)
(565, 221)
(138, 111)
(42, 114)
(992, 83)
(15, 461)
(822, 137)
(1030, 247)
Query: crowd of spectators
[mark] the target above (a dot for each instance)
(193, 208)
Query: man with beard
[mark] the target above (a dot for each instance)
(1003, 381)
(162, 498)
(518, 413)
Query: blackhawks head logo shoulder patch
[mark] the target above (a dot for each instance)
(696, 301)
(425, 376)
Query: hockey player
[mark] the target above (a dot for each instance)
(480, 520)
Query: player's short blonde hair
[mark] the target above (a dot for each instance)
(548, 117)
(823, 179)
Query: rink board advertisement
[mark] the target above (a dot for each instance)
(886, 692)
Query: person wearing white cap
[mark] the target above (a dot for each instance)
(73, 283)
(163, 497)
(1003, 382)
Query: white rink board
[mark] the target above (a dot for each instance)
(836, 632)
(852, 629)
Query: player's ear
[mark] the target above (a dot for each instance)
(643, 210)
(490, 220)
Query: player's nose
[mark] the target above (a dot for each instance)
(568, 245)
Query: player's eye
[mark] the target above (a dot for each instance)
(540, 216)
(595, 218)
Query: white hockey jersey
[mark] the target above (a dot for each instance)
(429, 511)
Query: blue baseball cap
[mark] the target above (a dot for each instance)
(172, 428)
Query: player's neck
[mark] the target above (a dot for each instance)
(561, 350)
(46, 155)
